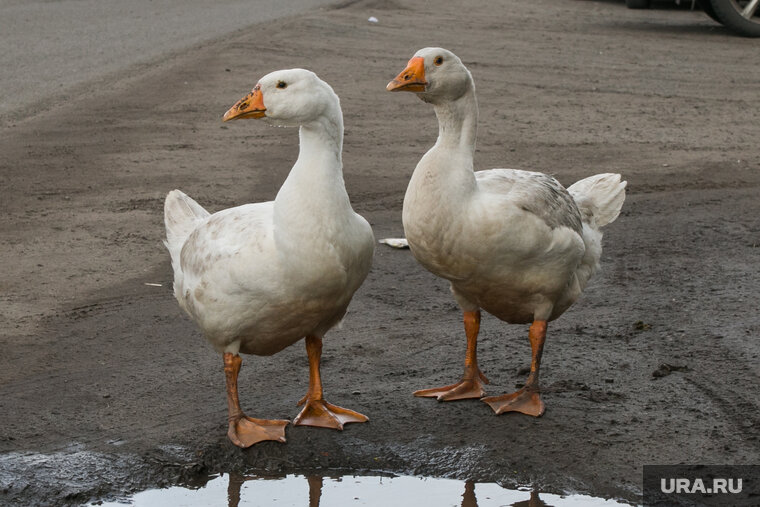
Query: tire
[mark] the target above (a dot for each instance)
(708, 8)
(729, 12)
(637, 4)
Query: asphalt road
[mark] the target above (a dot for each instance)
(55, 50)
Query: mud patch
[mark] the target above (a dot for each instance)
(71, 477)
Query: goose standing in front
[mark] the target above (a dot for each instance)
(516, 244)
(259, 277)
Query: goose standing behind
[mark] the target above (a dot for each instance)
(259, 277)
(514, 243)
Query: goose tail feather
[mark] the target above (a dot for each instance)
(181, 216)
(599, 198)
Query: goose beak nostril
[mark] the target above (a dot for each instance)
(411, 79)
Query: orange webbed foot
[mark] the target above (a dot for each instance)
(246, 431)
(326, 415)
(465, 389)
(526, 401)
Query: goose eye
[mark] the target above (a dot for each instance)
(282, 85)
(438, 60)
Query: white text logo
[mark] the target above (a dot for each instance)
(698, 486)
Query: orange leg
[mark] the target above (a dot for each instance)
(315, 489)
(316, 411)
(245, 431)
(471, 385)
(468, 497)
(528, 399)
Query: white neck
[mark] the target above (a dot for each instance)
(448, 166)
(314, 188)
(322, 137)
(458, 121)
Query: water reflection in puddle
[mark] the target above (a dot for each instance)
(345, 491)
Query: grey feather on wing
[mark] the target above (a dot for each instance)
(537, 193)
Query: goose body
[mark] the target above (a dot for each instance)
(514, 243)
(497, 252)
(259, 277)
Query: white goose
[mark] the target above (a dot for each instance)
(259, 277)
(514, 243)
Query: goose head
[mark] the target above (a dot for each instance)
(435, 74)
(287, 98)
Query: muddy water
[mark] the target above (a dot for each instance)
(234, 490)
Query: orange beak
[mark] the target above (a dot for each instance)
(411, 79)
(250, 106)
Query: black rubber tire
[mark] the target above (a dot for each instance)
(729, 13)
(637, 4)
(708, 8)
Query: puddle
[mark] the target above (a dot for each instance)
(347, 491)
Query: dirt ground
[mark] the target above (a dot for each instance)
(107, 388)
